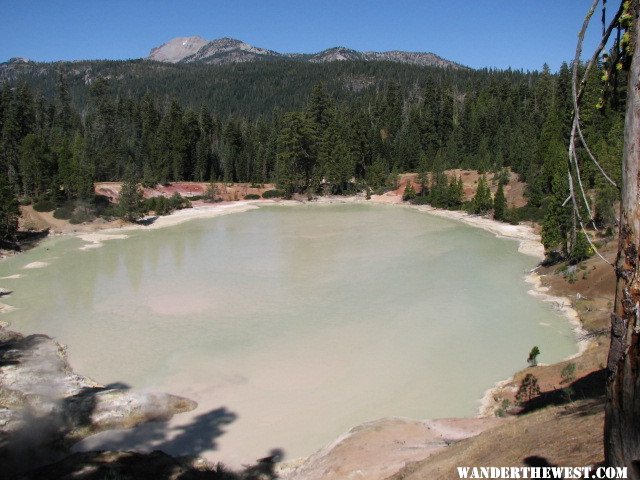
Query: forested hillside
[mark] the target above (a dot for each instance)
(336, 127)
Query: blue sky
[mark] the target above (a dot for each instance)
(521, 34)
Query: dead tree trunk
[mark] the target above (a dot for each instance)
(622, 412)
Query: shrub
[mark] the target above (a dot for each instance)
(409, 193)
(275, 193)
(211, 194)
(532, 359)
(63, 213)
(511, 216)
(504, 406)
(420, 200)
(24, 201)
(568, 373)
(501, 177)
(160, 205)
(528, 212)
(251, 196)
(528, 389)
(178, 202)
(581, 250)
(44, 206)
(81, 216)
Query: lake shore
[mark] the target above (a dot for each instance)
(95, 234)
(528, 244)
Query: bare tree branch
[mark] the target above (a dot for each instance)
(577, 92)
(593, 159)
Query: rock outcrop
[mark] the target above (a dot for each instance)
(45, 407)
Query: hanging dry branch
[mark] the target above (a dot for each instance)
(577, 90)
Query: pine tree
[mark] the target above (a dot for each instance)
(320, 107)
(423, 175)
(455, 196)
(499, 204)
(439, 190)
(130, 204)
(557, 219)
(377, 174)
(482, 200)
(9, 213)
(296, 157)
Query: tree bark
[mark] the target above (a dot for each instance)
(622, 411)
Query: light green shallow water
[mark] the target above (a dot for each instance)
(302, 321)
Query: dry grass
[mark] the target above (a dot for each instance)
(569, 435)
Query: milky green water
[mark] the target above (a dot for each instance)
(296, 322)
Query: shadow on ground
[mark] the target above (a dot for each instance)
(589, 387)
(37, 431)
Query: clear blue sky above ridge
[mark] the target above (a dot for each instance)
(521, 34)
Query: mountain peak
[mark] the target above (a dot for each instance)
(176, 49)
(227, 50)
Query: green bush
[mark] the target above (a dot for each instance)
(44, 206)
(568, 373)
(409, 193)
(251, 196)
(81, 216)
(535, 214)
(581, 250)
(273, 194)
(109, 212)
(63, 213)
(501, 176)
(160, 205)
(528, 389)
(24, 201)
(420, 200)
(178, 202)
(532, 359)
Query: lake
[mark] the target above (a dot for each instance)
(289, 324)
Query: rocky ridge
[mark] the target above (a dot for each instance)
(229, 50)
